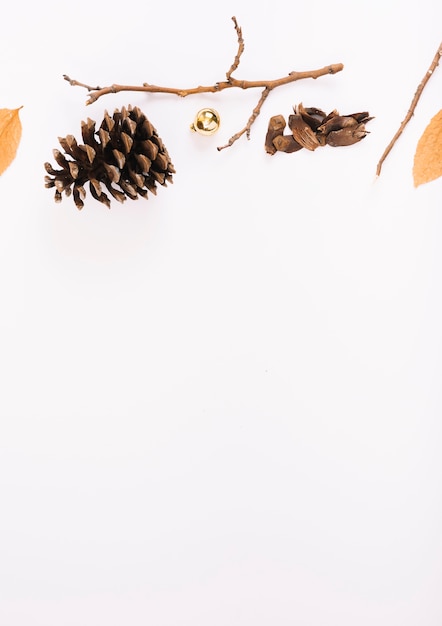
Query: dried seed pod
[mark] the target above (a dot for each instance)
(313, 111)
(330, 115)
(312, 116)
(125, 151)
(346, 136)
(302, 132)
(286, 143)
(275, 129)
(336, 123)
(362, 117)
(343, 130)
(312, 128)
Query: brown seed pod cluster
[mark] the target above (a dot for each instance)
(311, 128)
(125, 156)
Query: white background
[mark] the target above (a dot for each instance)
(222, 405)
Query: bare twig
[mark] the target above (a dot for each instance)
(412, 108)
(267, 85)
(250, 121)
(240, 49)
(76, 83)
(97, 93)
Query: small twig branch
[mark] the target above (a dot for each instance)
(230, 82)
(98, 92)
(250, 121)
(240, 49)
(412, 108)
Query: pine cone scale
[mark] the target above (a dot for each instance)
(119, 158)
(144, 163)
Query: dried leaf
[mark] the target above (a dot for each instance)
(428, 158)
(10, 135)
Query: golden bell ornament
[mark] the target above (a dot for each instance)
(206, 122)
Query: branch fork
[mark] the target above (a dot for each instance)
(266, 85)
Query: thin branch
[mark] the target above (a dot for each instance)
(76, 83)
(240, 49)
(412, 108)
(267, 85)
(252, 118)
(98, 92)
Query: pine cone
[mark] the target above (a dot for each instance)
(125, 151)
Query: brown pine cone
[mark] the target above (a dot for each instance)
(125, 155)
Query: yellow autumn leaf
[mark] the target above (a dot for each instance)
(428, 158)
(10, 135)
